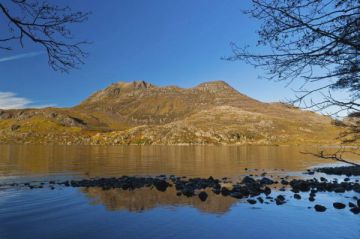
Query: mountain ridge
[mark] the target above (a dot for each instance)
(139, 112)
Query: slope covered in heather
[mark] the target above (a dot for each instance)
(141, 113)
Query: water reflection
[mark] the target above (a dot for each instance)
(194, 161)
(147, 198)
(95, 213)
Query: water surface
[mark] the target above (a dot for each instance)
(148, 213)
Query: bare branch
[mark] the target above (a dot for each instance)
(46, 24)
(314, 43)
(337, 156)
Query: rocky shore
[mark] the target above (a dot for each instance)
(253, 190)
(344, 170)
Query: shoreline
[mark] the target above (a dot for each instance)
(251, 189)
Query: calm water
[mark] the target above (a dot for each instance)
(148, 213)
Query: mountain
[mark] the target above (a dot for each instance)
(141, 113)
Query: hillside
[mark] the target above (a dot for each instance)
(141, 113)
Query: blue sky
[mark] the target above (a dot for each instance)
(163, 42)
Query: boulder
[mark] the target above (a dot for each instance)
(320, 208)
(339, 205)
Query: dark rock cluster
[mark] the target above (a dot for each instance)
(344, 170)
(253, 190)
(124, 182)
(301, 185)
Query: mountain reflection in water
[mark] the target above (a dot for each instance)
(147, 198)
(67, 212)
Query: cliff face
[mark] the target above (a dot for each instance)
(141, 113)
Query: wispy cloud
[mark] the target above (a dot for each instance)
(21, 56)
(9, 100)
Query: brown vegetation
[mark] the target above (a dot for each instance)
(141, 113)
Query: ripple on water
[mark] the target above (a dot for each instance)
(68, 212)
(93, 213)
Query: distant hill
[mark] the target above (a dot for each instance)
(141, 113)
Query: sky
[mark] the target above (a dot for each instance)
(162, 42)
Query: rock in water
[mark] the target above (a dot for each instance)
(297, 196)
(345, 170)
(225, 191)
(284, 182)
(203, 196)
(188, 192)
(339, 205)
(351, 205)
(260, 199)
(280, 200)
(320, 208)
(161, 185)
(251, 201)
(248, 180)
(266, 181)
(237, 195)
(355, 210)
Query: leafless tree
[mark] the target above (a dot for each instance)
(46, 24)
(315, 43)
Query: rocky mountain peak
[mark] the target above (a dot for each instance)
(117, 89)
(135, 85)
(214, 86)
